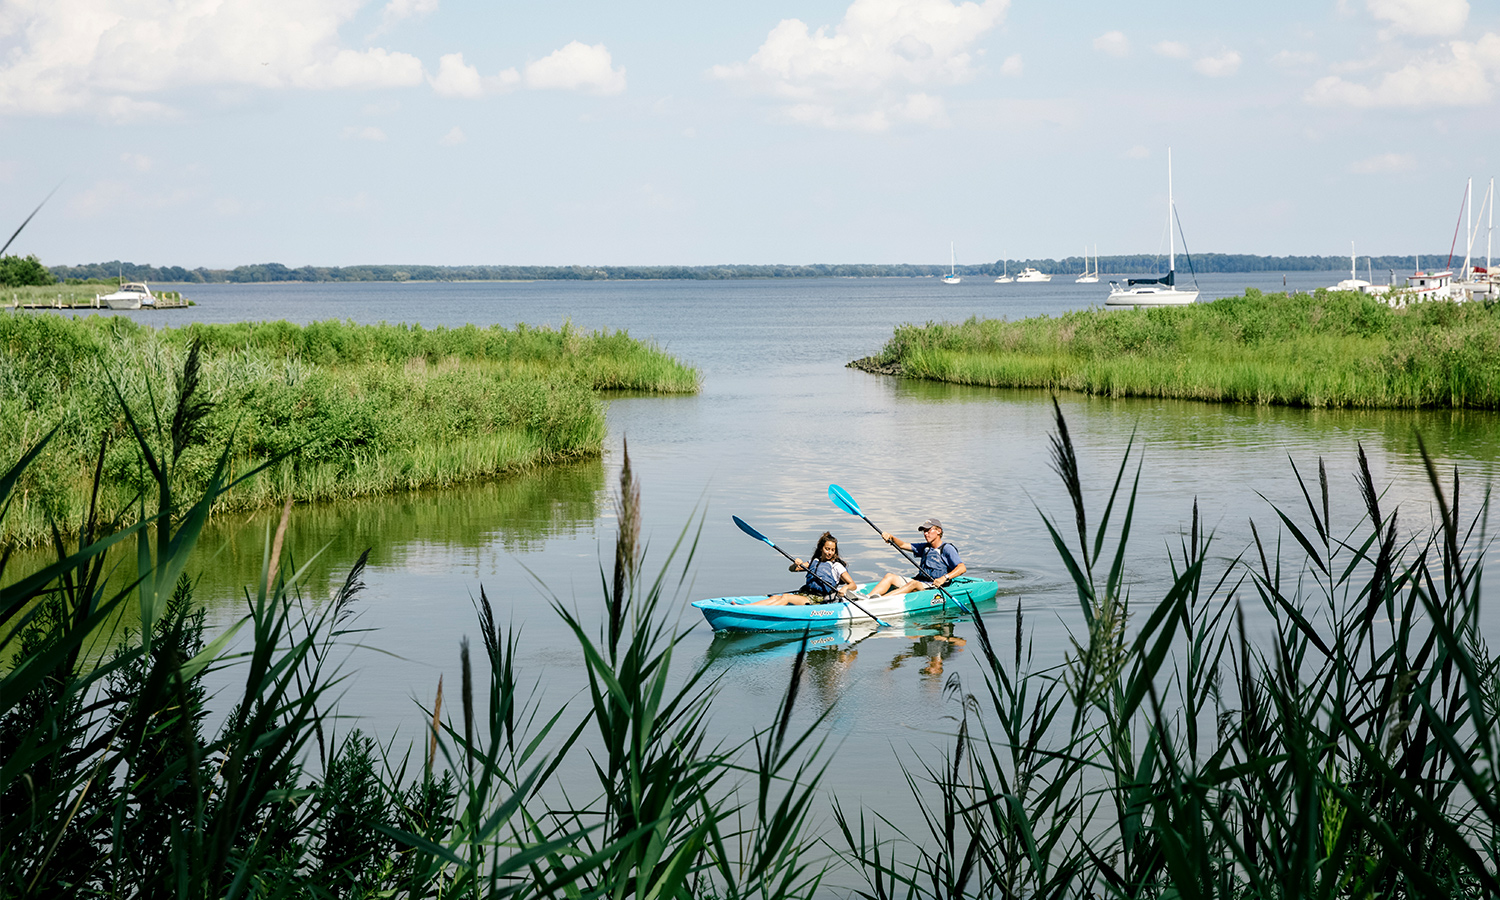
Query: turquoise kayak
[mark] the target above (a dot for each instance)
(737, 613)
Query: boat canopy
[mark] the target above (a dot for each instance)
(1169, 279)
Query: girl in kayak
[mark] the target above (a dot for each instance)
(937, 563)
(827, 577)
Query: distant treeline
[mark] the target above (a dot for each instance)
(274, 272)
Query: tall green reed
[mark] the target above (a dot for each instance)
(1348, 753)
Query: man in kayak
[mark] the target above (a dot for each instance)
(937, 563)
(827, 577)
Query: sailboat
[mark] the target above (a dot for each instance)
(1089, 277)
(952, 277)
(1155, 291)
(1353, 282)
(1005, 276)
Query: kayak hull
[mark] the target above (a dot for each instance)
(737, 613)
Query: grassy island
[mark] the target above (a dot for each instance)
(1326, 349)
(351, 409)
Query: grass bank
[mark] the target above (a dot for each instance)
(351, 410)
(1326, 349)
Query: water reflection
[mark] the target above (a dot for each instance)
(426, 530)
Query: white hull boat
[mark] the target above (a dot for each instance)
(1029, 275)
(134, 295)
(1005, 276)
(952, 277)
(1089, 277)
(1156, 291)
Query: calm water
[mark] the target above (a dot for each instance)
(779, 418)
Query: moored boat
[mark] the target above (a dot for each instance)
(134, 295)
(739, 613)
(1029, 275)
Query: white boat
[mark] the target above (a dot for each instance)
(1029, 275)
(1089, 277)
(133, 295)
(1353, 282)
(952, 277)
(1155, 291)
(1005, 276)
(1482, 281)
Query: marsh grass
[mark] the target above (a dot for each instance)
(350, 410)
(1326, 349)
(112, 786)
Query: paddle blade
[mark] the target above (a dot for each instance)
(745, 527)
(842, 500)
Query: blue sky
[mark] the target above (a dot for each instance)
(336, 132)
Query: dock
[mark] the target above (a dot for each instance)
(64, 301)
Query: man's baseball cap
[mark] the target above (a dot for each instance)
(929, 523)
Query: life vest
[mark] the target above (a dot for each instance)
(931, 565)
(822, 579)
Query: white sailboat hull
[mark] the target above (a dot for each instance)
(1150, 295)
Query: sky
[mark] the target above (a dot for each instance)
(337, 132)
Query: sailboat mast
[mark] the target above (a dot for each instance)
(1469, 225)
(1489, 235)
(1352, 276)
(1171, 235)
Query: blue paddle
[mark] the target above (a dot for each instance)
(844, 501)
(745, 527)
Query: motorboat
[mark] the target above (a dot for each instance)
(1029, 275)
(1156, 291)
(741, 614)
(132, 295)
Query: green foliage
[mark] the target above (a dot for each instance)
(1350, 752)
(347, 410)
(1326, 349)
(21, 271)
(112, 788)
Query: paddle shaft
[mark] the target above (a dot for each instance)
(855, 603)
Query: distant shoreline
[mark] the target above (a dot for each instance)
(276, 273)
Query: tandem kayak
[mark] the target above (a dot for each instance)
(737, 613)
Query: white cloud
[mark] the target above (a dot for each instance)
(1225, 64)
(576, 67)
(453, 138)
(367, 133)
(456, 78)
(1463, 76)
(876, 67)
(1172, 50)
(1012, 66)
(114, 56)
(1384, 163)
(1113, 43)
(397, 10)
(1430, 18)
